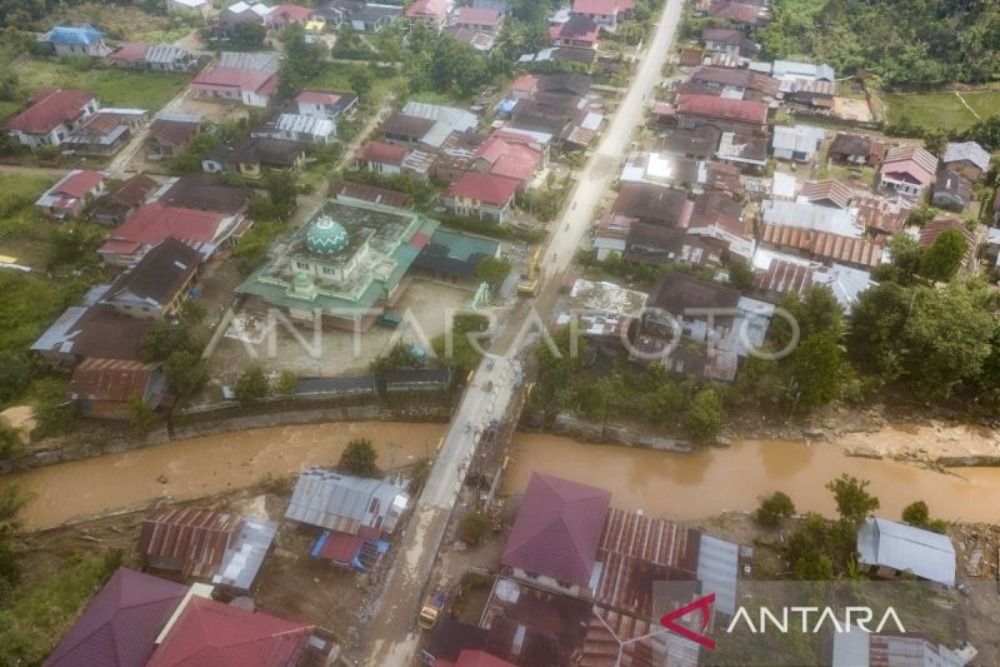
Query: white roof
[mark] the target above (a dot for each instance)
(191, 3)
(259, 62)
(901, 547)
(784, 185)
(812, 217)
(798, 138)
(791, 68)
(846, 283)
(260, 9)
(302, 124)
(968, 150)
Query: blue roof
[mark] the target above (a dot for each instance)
(81, 35)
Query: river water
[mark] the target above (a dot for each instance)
(678, 486)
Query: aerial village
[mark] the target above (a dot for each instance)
(269, 214)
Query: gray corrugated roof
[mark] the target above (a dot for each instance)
(340, 502)
(244, 559)
(59, 332)
(718, 570)
(858, 648)
(895, 545)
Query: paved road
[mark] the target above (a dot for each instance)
(395, 640)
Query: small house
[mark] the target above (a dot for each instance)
(285, 15)
(106, 388)
(248, 78)
(578, 32)
(434, 13)
(740, 116)
(105, 132)
(798, 143)
(196, 7)
(605, 13)
(158, 284)
(298, 127)
(72, 193)
(169, 134)
(930, 232)
(856, 149)
(909, 170)
(51, 117)
(252, 156)
(77, 41)
(888, 549)
(968, 159)
(482, 196)
(952, 190)
(381, 157)
(115, 207)
(325, 103)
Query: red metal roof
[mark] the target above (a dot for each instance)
(428, 9)
(130, 51)
(288, 13)
(155, 222)
(557, 529)
(253, 81)
(50, 108)
(602, 7)
(746, 111)
(212, 634)
(477, 16)
(486, 188)
(110, 379)
(510, 160)
(823, 245)
(382, 153)
(194, 539)
(119, 626)
(77, 184)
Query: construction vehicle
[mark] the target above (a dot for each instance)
(528, 284)
(435, 603)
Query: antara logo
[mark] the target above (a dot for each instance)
(779, 620)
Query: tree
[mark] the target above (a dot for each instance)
(492, 270)
(248, 36)
(140, 415)
(807, 550)
(76, 242)
(935, 140)
(418, 476)
(251, 386)
(703, 419)
(54, 412)
(164, 338)
(919, 515)
(400, 355)
(773, 509)
(741, 275)
(474, 528)
(941, 261)
(465, 353)
(904, 252)
(286, 384)
(817, 370)
(359, 459)
(854, 503)
(918, 216)
(362, 81)
(185, 372)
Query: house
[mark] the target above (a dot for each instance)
(204, 192)
(699, 144)
(744, 116)
(951, 190)
(611, 235)
(344, 503)
(91, 330)
(481, 196)
(909, 170)
(578, 32)
(325, 103)
(298, 127)
(186, 541)
(72, 193)
(202, 7)
(553, 542)
(667, 207)
(605, 13)
(887, 549)
(881, 216)
(106, 388)
(77, 41)
(798, 143)
(352, 191)
(381, 157)
(731, 42)
(249, 78)
(157, 58)
(791, 70)
(856, 149)
(802, 214)
(693, 175)
(169, 134)
(742, 150)
(930, 232)
(740, 15)
(482, 20)
(824, 246)
(51, 117)
(854, 647)
(779, 274)
(434, 13)
(446, 121)
(115, 207)
(736, 84)
(240, 13)
(153, 223)
(207, 632)
(454, 256)
(363, 17)
(477, 39)
(285, 15)
(968, 159)
(252, 155)
(120, 624)
(508, 159)
(104, 133)
(158, 284)
(813, 93)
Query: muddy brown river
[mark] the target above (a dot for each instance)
(680, 486)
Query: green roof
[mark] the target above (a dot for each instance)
(463, 246)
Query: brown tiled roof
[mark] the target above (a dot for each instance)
(110, 380)
(407, 126)
(373, 194)
(192, 540)
(785, 277)
(172, 132)
(935, 228)
(835, 192)
(879, 214)
(745, 111)
(557, 529)
(823, 245)
(134, 191)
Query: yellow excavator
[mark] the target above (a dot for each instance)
(528, 284)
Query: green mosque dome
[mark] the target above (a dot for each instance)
(302, 280)
(326, 236)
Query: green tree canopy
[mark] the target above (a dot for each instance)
(705, 416)
(492, 270)
(773, 509)
(854, 503)
(251, 386)
(359, 459)
(941, 261)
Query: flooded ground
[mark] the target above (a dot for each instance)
(931, 440)
(679, 486)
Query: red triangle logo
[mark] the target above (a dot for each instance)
(703, 605)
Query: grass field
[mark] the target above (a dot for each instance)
(136, 24)
(943, 110)
(337, 76)
(24, 235)
(113, 87)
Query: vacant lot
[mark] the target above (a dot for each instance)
(113, 87)
(337, 76)
(942, 110)
(24, 235)
(133, 23)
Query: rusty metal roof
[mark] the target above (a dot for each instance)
(824, 245)
(194, 539)
(619, 640)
